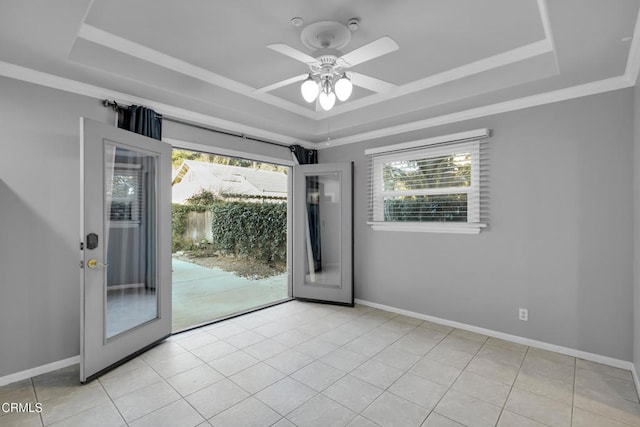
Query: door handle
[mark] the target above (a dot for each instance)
(94, 263)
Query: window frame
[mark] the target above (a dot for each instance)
(466, 142)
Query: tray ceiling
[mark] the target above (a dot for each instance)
(209, 57)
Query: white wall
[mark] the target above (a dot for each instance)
(559, 243)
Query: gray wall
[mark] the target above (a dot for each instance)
(39, 223)
(559, 243)
(224, 144)
(39, 217)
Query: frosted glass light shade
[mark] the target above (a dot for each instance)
(327, 100)
(343, 88)
(309, 90)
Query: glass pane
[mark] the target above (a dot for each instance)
(323, 236)
(441, 207)
(452, 170)
(130, 239)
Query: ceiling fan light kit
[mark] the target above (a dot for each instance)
(327, 100)
(329, 88)
(343, 87)
(327, 79)
(309, 89)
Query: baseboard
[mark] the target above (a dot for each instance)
(616, 363)
(39, 370)
(636, 380)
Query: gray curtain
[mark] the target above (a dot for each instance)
(140, 120)
(306, 157)
(147, 122)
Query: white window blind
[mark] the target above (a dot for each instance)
(430, 185)
(126, 197)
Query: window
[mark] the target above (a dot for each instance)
(126, 194)
(430, 185)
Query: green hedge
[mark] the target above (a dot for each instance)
(256, 230)
(434, 208)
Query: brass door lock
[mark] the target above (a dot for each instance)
(93, 263)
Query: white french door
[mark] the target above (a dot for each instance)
(322, 233)
(125, 245)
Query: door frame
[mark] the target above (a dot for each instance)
(300, 245)
(180, 144)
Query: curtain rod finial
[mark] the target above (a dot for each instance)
(108, 103)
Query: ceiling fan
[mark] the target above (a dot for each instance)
(328, 77)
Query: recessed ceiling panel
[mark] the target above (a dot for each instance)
(210, 97)
(230, 38)
(206, 56)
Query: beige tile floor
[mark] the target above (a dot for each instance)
(302, 364)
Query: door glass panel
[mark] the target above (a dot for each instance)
(323, 230)
(130, 239)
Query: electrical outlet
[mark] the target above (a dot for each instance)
(523, 314)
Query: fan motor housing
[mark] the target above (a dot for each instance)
(327, 65)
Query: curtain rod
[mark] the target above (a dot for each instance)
(116, 107)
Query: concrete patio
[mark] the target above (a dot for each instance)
(203, 294)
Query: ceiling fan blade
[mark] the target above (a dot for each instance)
(371, 83)
(283, 83)
(369, 51)
(292, 53)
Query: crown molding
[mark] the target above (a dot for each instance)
(72, 86)
(546, 26)
(128, 47)
(486, 64)
(633, 61)
(546, 45)
(29, 75)
(628, 79)
(572, 92)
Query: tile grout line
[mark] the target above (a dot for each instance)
(513, 384)
(453, 382)
(349, 373)
(345, 373)
(112, 401)
(406, 371)
(573, 389)
(169, 384)
(35, 393)
(397, 335)
(458, 376)
(184, 397)
(254, 395)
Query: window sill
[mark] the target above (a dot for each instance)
(421, 227)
